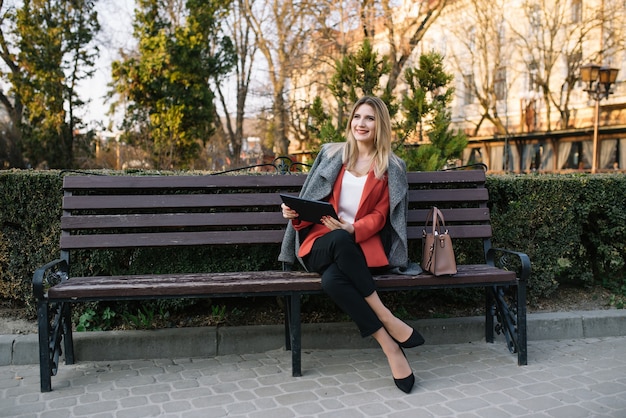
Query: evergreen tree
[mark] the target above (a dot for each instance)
(424, 108)
(426, 114)
(356, 75)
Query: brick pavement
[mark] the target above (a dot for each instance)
(568, 379)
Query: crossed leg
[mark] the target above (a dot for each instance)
(398, 363)
(397, 329)
(348, 281)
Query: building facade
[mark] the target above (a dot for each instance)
(519, 95)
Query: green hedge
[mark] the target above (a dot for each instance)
(573, 227)
(30, 203)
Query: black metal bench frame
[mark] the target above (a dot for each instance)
(110, 212)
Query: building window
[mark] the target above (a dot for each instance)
(575, 155)
(500, 83)
(501, 35)
(534, 159)
(612, 154)
(471, 38)
(532, 77)
(577, 11)
(468, 84)
(536, 22)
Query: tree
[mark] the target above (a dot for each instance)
(406, 26)
(47, 51)
(282, 28)
(553, 47)
(390, 27)
(321, 124)
(355, 75)
(425, 109)
(11, 140)
(483, 58)
(244, 43)
(165, 83)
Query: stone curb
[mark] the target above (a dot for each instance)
(212, 341)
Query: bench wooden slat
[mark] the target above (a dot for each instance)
(447, 177)
(161, 220)
(233, 219)
(197, 284)
(179, 285)
(255, 200)
(169, 239)
(265, 236)
(437, 197)
(468, 275)
(89, 183)
(451, 215)
(171, 201)
(455, 231)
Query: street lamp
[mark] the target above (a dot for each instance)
(599, 80)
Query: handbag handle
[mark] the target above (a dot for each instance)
(434, 216)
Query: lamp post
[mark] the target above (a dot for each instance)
(599, 80)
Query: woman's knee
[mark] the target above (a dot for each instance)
(343, 243)
(342, 237)
(331, 284)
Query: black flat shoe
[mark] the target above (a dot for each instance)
(414, 340)
(406, 384)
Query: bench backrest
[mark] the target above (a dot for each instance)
(162, 211)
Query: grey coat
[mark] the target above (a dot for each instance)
(319, 184)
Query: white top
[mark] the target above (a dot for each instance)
(350, 198)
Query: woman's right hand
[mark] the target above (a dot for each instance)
(288, 213)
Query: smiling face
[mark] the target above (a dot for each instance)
(363, 124)
(368, 134)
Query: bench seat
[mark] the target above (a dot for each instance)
(261, 283)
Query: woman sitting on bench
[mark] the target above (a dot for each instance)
(366, 184)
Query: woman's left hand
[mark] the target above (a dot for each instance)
(332, 224)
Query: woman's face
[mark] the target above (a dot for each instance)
(363, 124)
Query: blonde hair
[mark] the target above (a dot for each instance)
(382, 140)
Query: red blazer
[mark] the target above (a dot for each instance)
(369, 220)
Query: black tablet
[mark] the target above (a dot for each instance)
(309, 210)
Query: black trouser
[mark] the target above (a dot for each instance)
(345, 277)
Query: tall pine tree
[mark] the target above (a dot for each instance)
(426, 115)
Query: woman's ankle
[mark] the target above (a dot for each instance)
(398, 329)
(398, 363)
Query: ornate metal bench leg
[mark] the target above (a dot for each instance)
(44, 346)
(287, 323)
(489, 314)
(522, 348)
(506, 325)
(68, 340)
(512, 320)
(296, 342)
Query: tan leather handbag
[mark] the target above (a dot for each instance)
(437, 252)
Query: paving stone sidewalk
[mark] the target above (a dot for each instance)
(568, 379)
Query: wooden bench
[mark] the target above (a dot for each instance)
(170, 212)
